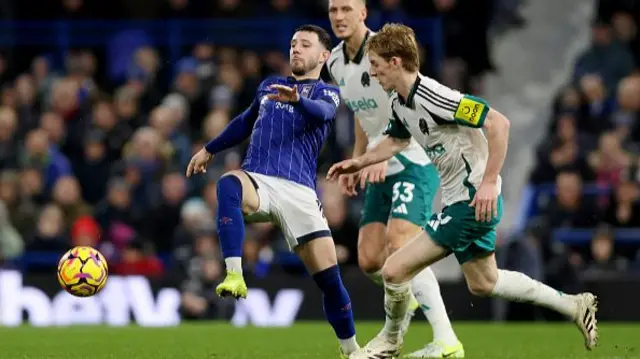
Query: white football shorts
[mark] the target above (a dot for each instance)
(294, 208)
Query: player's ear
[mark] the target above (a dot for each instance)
(395, 61)
(324, 56)
(363, 13)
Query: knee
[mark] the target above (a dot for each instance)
(229, 189)
(392, 273)
(231, 192)
(482, 287)
(367, 263)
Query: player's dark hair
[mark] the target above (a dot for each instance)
(323, 35)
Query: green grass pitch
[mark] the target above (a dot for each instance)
(304, 340)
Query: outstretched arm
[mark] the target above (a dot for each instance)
(384, 150)
(323, 107)
(319, 109)
(236, 131)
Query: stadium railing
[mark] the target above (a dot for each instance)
(175, 34)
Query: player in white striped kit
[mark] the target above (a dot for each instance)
(450, 129)
(399, 192)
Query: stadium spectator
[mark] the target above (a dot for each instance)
(27, 109)
(210, 194)
(571, 209)
(116, 133)
(127, 108)
(116, 206)
(609, 160)
(598, 105)
(94, 168)
(624, 208)
(603, 256)
(164, 217)
(39, 153)
(195, 219)
(50, 233)
(203, 274)
(67, 195)
(343, 228)
(11, 243)
(626, 119)
(564, 149)
(85, 231)
(166, 123)
(136, 259)
(32, 186)
(144, 160)
(21, 210)
(55, 128)
(606, 56)
(8, 138)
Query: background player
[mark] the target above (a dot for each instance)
(287, 121)
(448, 125)
(400, 192)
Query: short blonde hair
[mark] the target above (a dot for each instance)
(396, 40)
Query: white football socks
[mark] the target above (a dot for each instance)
(397, 298)
(426, 289)
(519, 287)
(234, 264)
(349, 345)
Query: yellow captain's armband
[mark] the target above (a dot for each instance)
(471, 111)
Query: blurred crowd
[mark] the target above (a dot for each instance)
(86, 161)
(591, 158)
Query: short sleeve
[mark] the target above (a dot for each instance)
(471, 112)
(446, 105)
(396, 128)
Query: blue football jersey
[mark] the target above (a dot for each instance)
(286, 140)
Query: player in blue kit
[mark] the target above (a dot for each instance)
(287, 123)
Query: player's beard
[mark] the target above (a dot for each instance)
(300, 68)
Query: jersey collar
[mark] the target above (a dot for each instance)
(359, 54)
(412, 93)
(291, 79)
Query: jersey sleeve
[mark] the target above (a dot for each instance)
(446, 105)
(329, 94)
(396, 128)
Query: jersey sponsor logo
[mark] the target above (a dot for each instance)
(363, 104)
(435, 151)
(334, 96)
(284, 106)
(470, 111)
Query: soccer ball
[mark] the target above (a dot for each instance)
(82, 271)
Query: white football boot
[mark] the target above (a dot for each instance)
(585, 318)
(379, 347)
(438, 349)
